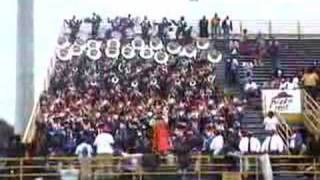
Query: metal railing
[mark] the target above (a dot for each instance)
(311, 112)
(284, 130)
(200, 167)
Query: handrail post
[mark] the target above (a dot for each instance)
(314, 169)
(270, 28)
(21, 168)
(257, 168)
(241, 28)
(299, 29)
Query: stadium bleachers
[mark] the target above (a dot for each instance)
(293, 55)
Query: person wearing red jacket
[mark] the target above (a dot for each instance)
(161, 137)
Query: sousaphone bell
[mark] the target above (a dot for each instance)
(156, 43)
(214, 56)
(63, 54)
(203, 43)
(161, 57)
(173, 47)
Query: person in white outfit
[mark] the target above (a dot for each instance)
(270, 122)
(249, 144)
(273, 144)
(217, 143)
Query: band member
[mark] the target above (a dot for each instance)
(74, 25)
(162, 29)
(95, 24)
(181, 27)
(203, 27)
(215, 26)
(227, 27)
(146, 26)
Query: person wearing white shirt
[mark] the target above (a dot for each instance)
(249, 144)
(85, 151)
(217, 143)
(273, 144)
(283, 84)
(104, 143)
(270, 122)
(292, 84)
(251, 89)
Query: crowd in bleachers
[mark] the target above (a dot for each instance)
(138, 87)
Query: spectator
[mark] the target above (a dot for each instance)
(293, 83)
(273, 51)
(249, 144)
(251, 89)
(161, 138)
(296, 142)
(104, 143)
(85, 151)
(310, 81)
(270, 122)
(215, 26)
(203, 27)
(273, 144)
(283, 84)
(234, 70)
(217, 143)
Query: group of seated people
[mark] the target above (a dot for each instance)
(140, 103)
(307, 78)
(136, 90)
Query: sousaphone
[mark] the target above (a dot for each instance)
(113, 49)
(203, 43)
(155, 43)
(63, 42)
(214, 56)
(189, 51)
(76, 50)
(94, 54)
(146, 53)
(63, 54)
(93, 44)
(113, 43)
(161, 57)
(128, 52)
(138, 43)
(173, 47)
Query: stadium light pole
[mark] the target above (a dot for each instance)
(24, 65)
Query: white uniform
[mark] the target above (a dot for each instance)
(84, 147)
(250, 86)
(104, 143)
(255, 145)
(273, 143)
(217, 144)
(270, 123)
